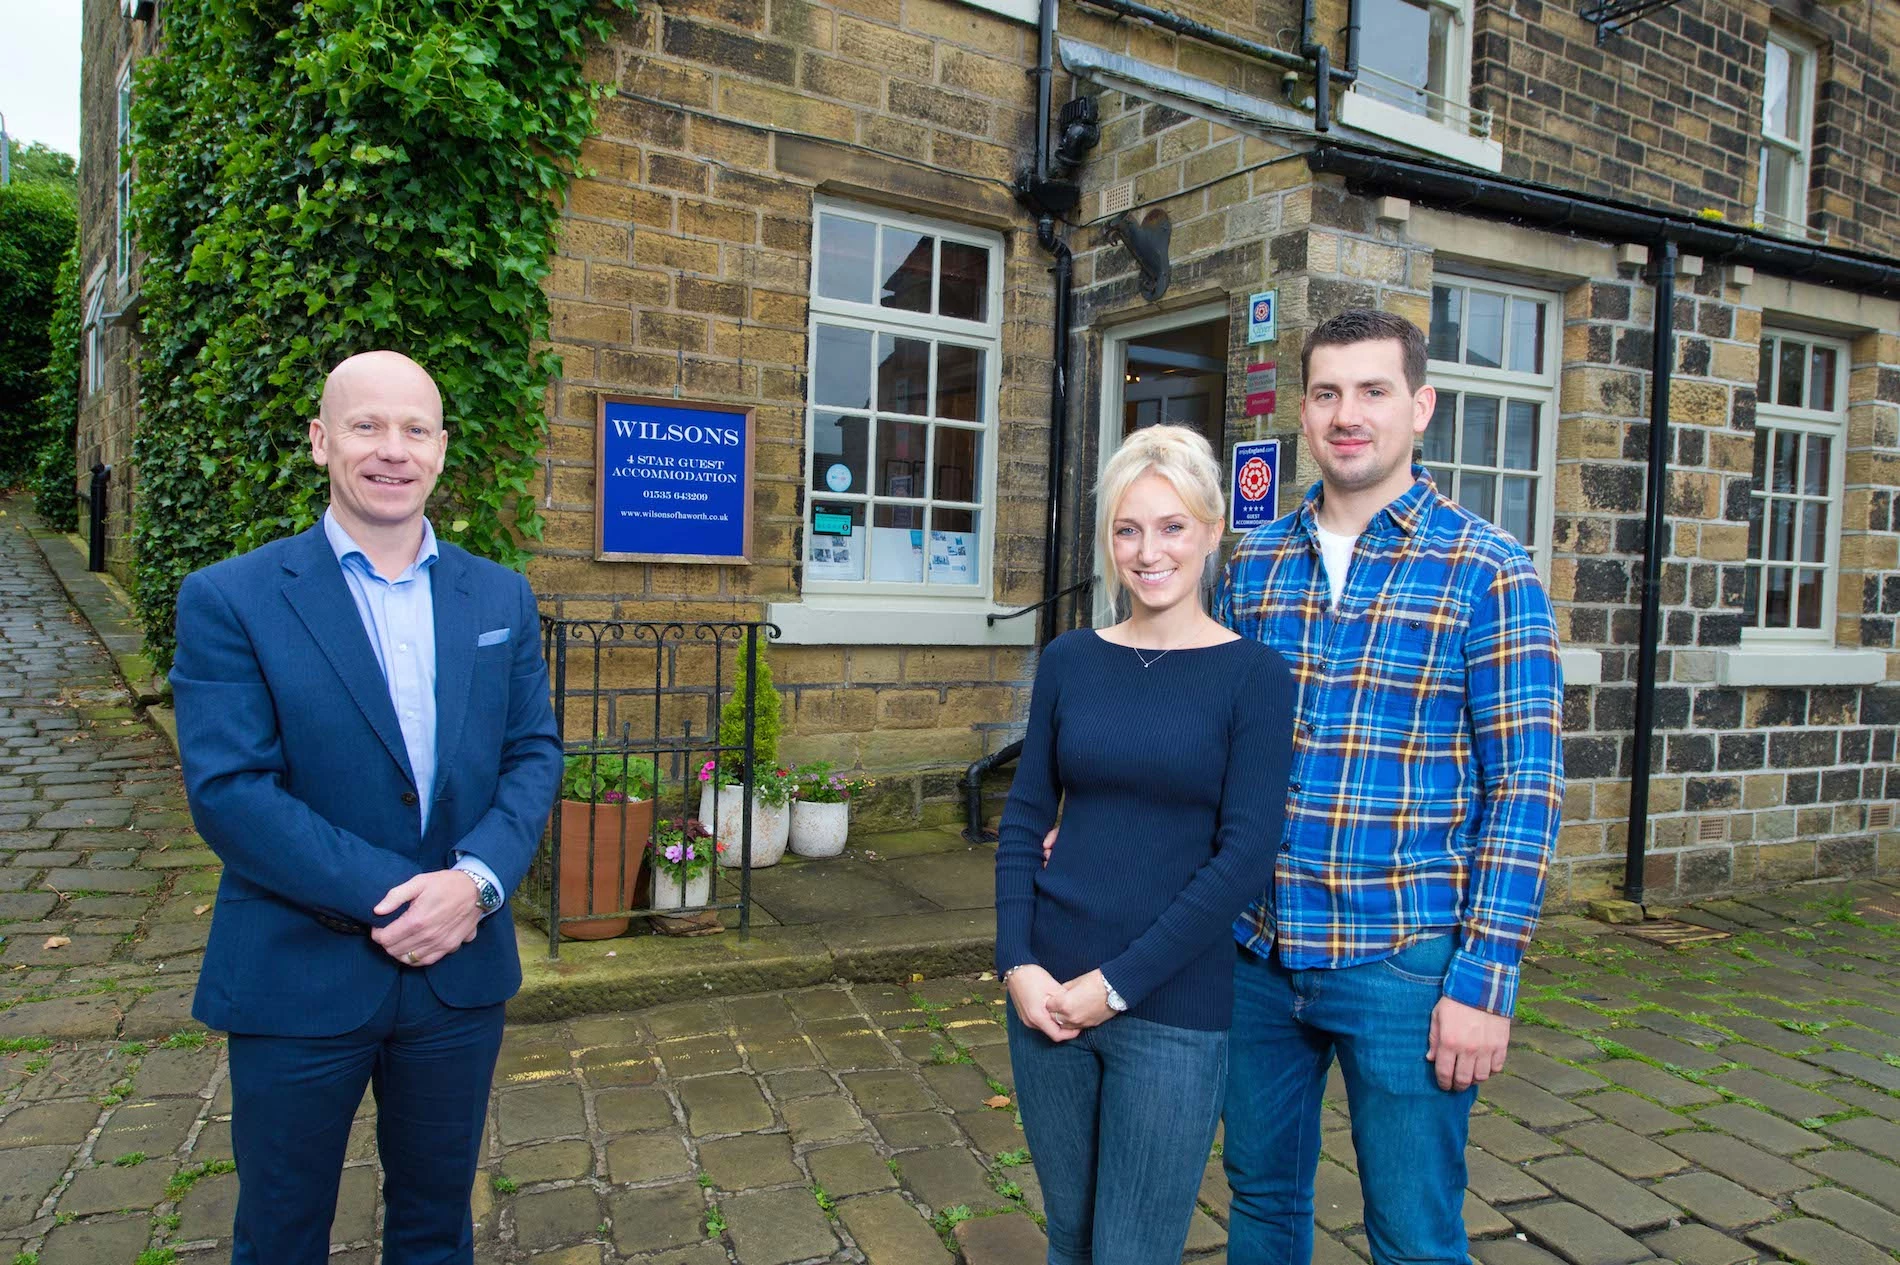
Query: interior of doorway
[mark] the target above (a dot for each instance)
(1169, 369)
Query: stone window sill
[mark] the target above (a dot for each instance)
(1022, 10)
(817, 622)
(1799, 666)
(1357, 109)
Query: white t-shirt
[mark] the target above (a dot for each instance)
(1336, 552)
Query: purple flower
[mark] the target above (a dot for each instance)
(689, 852)
(673, 852)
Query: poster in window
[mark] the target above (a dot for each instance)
(673, 481)
(952, 557)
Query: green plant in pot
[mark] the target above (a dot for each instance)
(723, 780)
(821, 808)
(606, 817)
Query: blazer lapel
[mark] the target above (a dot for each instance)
(317, 592)
(455, 633)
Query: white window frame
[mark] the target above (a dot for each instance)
(986, 334)
(1029, 11)
(1791, 218)
(1771, 417)
(1542, 388)
(95, 372)
(122, 205)
(1449, 127)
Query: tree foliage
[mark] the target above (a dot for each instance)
(36, 231)
(53, 476)
(321, 177)
(34, 163)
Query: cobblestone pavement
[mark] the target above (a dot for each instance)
(1732, 1100)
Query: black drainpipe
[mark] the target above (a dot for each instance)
(1662, 368)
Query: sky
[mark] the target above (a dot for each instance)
(39, 71)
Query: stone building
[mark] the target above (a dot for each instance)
(108, 264)
(838, 216)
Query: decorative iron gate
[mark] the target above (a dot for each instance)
(639, 702)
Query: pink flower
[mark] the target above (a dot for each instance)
(673, 852)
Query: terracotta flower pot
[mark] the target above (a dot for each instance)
(818, 830)
(619, 855)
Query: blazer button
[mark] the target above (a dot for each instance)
(408, 797)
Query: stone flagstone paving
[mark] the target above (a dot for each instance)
(1732, 1101)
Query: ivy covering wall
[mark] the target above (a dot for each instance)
(53, 478)
(323, 177)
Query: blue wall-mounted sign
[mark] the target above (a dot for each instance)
(673, 481)
(1256, 484)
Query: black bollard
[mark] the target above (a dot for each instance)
(96, 507)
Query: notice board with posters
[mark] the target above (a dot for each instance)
(673, 481)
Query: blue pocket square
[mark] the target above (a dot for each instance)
(494, 638)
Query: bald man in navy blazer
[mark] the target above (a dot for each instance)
(369, 747)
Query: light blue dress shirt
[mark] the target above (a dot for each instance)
(399, 618)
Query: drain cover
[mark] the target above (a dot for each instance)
(1671, 931)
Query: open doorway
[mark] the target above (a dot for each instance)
(1171, 369)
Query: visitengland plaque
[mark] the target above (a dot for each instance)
(673, 481)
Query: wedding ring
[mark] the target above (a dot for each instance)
(410, 957)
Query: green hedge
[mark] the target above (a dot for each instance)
(55, 473)
(36, 232)
(327, 176)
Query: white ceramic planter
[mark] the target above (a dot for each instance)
(669, 893)
(771, 827)
(818, 830)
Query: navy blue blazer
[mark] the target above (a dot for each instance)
(299, 780)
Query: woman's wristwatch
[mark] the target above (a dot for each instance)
(1115, 1002)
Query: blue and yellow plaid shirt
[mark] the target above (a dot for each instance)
(1427, 770)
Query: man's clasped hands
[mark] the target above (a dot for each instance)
(1059, 1011)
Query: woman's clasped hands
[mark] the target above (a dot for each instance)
(1059, 1011)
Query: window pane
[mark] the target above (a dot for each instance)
(1821, 380)
(1787, 453)
(1776, 116)
(1477, 493)
(1396, 38)
(1520, 434)
(1527, 336)
(1814, 476)
(1479, 438)
(1781, 531)
(1438, 55)
(1519, 512)
(953, 546)
(1484, 336)
(897, 544)
(1757, 512)
(1439, 442)
(1447, 322)
(1777, 184)
(1814, 531)
(907, 270)
(1764, 384)
(1751, 597)
(1776, 598)
(838, 453)
(844, 258)
(1793, 376)
(1808, 600)
(843, 374)
(834, 548)
(959, 382)
(903, 374)
(963, 289)
(1442, 480)
(900, 458)
(957, 457)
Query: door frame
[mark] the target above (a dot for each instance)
(1115, 340)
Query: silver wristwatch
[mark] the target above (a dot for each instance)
(1115, 1002)
(486, 894)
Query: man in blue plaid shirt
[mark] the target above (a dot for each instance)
(1427, 778)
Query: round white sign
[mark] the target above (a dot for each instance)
(838, 477)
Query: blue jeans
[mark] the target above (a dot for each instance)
(1409, 1134)
(292, 1100)
(1120, 1121)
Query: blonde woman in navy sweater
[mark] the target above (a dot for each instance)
(1163, 742)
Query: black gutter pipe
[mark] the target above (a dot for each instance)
(1544, 207)
(1662, 369)
(1045, 81)
(1058, 414)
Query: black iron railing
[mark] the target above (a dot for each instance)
(637, 704)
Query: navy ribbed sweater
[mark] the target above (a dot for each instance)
(1171, 784)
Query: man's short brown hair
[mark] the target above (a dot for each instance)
(1369, 325)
